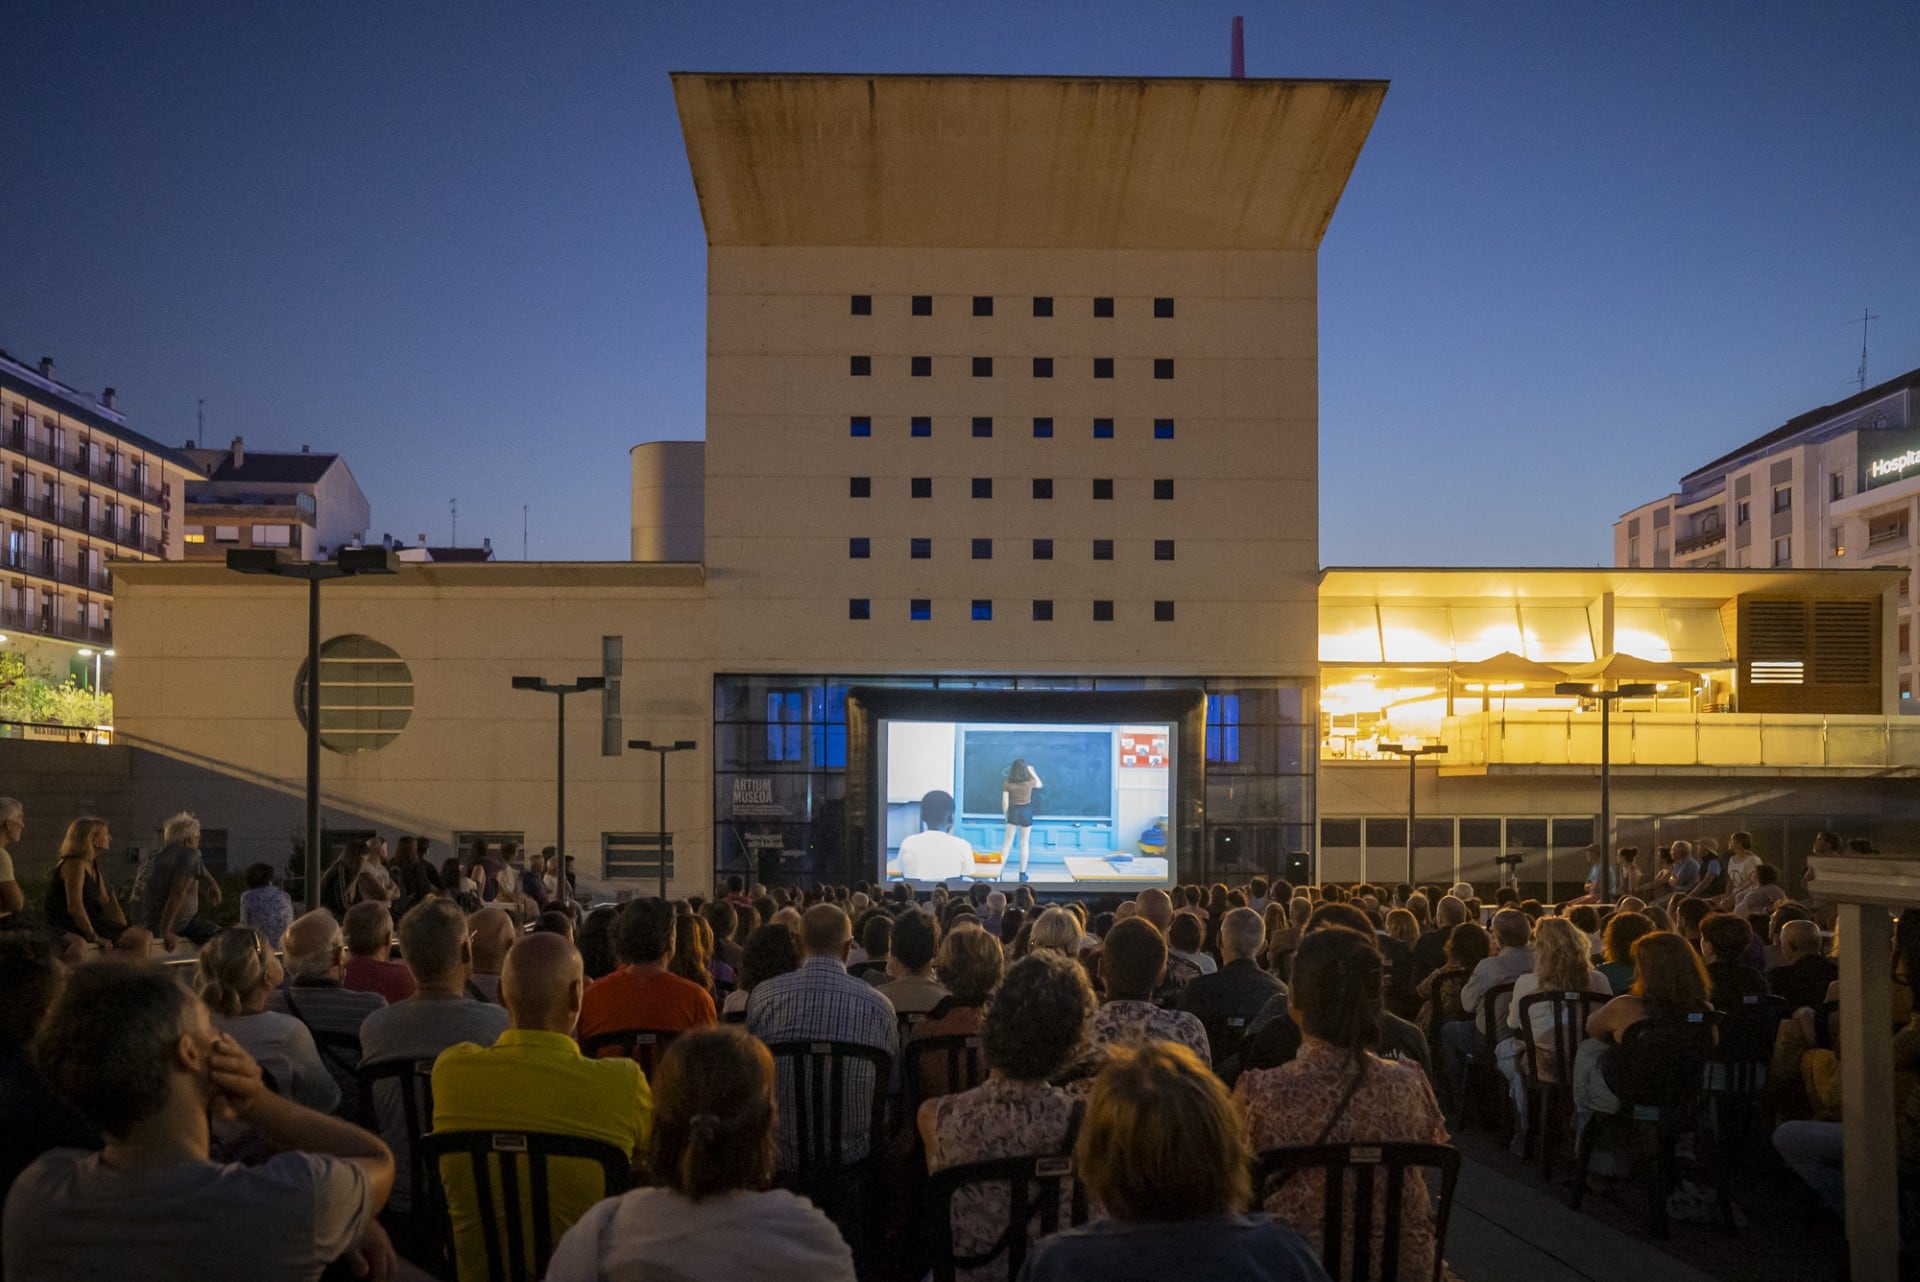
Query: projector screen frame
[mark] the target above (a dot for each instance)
(1184, 709)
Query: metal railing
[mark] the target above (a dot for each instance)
(1555, 738)
(1886, 537)
(120, 477)
(55, 732)
(40, 624)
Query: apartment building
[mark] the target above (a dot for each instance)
(308, 504)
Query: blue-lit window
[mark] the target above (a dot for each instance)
(922, 425)
(859, 608)
(982, 426)
(860, 425)
(982, 611)
(828, 705)
(920, 609)
(1043, 427)
(921, 549)
(1223, 728)
(786, 721)
(859, 549)
(1163, 429)
(1103, 429)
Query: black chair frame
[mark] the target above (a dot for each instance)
(1483, 1060)
(966, 1065)
(506, 1261)
(822, 1085)
(1351, 1255)
(413, 1079)
(1551, 1099)
(1035, 1188)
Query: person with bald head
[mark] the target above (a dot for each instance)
(820, 1002)
(1806, 970)
(534, 1078)
(494, 931)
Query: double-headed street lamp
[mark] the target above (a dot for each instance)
(1606, 699)
(1412, 750)
(346, 563)
(662, 749)
(560, 691)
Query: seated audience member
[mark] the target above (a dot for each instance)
(935, 854)
(712, 1217)
(1398, 932)
(875, 935)
(772, 950)
(533, 1078)
(1668, 980)
(1161, 1152)
(595, 942)
(32, 1118)
(970, 963)
(1055, 929)
(1133, 965)
(237, 974)
(1430, 950)
(555, 922)
(316, 958)
(692, 958)
(1804, 975)
(1586, 920)
(168, 884)
(723, 919)
(1184, 939)
(1513, 958)
(13, 824)
(911, 987)
(1157, 908)
(80, 906)
(1238, 990)
(996, 912)
(1468, 944)
(1273, 1038)
(368, 930)
(136, 1054)
(1623, 928)
(1763, 894)
(264, 906)
(1337, 1091)
(820, 1002)
(1562, 963)
(494, 932)
(642, 994)
(1724, 943)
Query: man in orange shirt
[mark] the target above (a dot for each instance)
(641, 994)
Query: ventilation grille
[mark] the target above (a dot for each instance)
(1843, 642)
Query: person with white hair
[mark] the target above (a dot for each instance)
(167, 886)
(13, 822)
(996, 912)
(1227, 1001)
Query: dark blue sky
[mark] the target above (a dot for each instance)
(1586, 248)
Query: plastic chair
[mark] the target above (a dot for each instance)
(1036, 1187)
(645, 1046)
(1549, 1098)
(1225, 1035)
(519, 1243)
(833, 1105)
(411, 1081)
(1347, 1232)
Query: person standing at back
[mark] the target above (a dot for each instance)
(642, 994)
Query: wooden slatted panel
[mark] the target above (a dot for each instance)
(1776, 642)
(1843, 642)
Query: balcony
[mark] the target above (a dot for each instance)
(74, 462)
(1707, 739)
(76, 519)
(72, 572)
(66, 629)
(1887, 536)
(1700, 542)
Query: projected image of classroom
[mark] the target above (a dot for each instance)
(1050, 805)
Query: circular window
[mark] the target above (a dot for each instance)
(366, 694)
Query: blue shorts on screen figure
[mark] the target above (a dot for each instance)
(1016, 800)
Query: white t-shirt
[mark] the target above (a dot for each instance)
(1740, 870)
(935, 856)
(656, 1235)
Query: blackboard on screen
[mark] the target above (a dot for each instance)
(1075, 767)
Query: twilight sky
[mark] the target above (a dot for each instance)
(1586, 248)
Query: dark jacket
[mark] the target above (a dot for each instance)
(1238, 990)
(1275, 1038)
(1804, 982)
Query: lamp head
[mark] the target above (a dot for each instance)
(365, 560)
(591, 683)
(683, 745)
(253, 560)
(528, 683)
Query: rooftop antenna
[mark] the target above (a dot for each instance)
(200, 429)
(1239, 65)
(453, 535)
(1865, 316)
(523, 531)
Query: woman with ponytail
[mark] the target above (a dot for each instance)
(1337, 1091)
(711, 1217)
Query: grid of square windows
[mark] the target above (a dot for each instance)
(1163, 489)
(983, 549)
(1043, 549)
(1103, 429)
(920, 609)
(859, 487)
(983, 304)
(1043, 612)
(1043, 427)
(922, 425)
(1043, 367)
(983, 367)
(863, 304)
(923, 304)
(1103, 307)
(861, 367)
(860, 425)
(982, 610)
(921, 487)
(1042, 306)
(983, 487)
(1163, 367)
(1103, 549)
(1103, 367)
(1043, 487)
(1163, 612)
(922, 367)
(859, 549)
(1102, 488)
(1103, 612)
(920, 549)
(1162, 308)
(1163, 429)
(1163, 549)
(982, 426)
(859, 608)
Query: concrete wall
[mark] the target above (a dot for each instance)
(60, 782)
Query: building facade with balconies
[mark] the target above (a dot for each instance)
(308, 504)
(1833, 488)
(79, 489)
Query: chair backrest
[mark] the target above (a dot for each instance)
(1347, 1238)
(1494, 1014)
(838, 1095)
(1225, 1034)
(944, 1065)
(1036, 1187)
(908, 1021)
(644, 1046)
(409, 1087)
(1745, 1049)
(519, 1243)
(1570, 1011)
(1662, 1063)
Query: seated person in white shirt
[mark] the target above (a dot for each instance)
(935, 854)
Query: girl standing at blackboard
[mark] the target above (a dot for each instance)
(1016, 800)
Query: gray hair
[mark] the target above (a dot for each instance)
(181, 830)
(1057, 929)
(1242, 931)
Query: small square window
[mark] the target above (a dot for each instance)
(1043, 427)
(982, 611)
(923, 304)
(1042, 306)
(1043, 549)
(1102, 488)
(922, 487)
(983, 367)
(1043, 612)
(1163, 549)
(1163, 612)
(983, 487)
(1103, 612)
(859, 487)
(983, 304)
(921, 549)
(1103, 429)
(860, 425)
(1103, 549)
(1163, 489)
(859, 608)
(982, 426)
(1043, 487)
(1163, 429)
(863, 304)
(859, 549)
(920, 609)
(922, 425)
(1043, 367)
(1103, 367)
(1163, 367)
(983, 549)
(1103, 307)
(862, 366)
(922, 367)
(1162, 308)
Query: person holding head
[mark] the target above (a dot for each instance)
(1016, 802)
(316, 959)
(711, 1217)
(137, 1055)
(264, 906)
(492, 932)
(13, 824)
(911, 986)
(237, 974)
(643, 993)
(1562, 963)
(368, 929)
(80, 905)
(534, 1078)
(820, 1002)
(1133, 963)
(934, 854)
(1161, 1150)
(1623, 929)
(1238, 990)
(1337, 1091)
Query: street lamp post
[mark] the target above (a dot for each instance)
(347, 563)
(1412, 750)
(1606, 699)
(661, 750)
(560, 692)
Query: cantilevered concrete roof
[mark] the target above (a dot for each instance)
(1021, 162)
(1527, 583)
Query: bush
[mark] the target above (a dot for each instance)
(29, 696)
